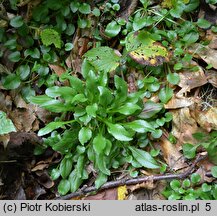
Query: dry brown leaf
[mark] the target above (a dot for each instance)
(190, 80)
(171, 154)
(207, 119)
(108, 194)
(184, 125)
(23, 119)
(58, 70)
(175, 103)
(206, 53)
(212, 77)
(213, 39)
(40, 167)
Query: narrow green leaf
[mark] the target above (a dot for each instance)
(101, 164)
(128, 109)
(66, 167)
(150, 109)
(140, 126)
(100, 180)
(144, 158)
(51, 126)
(64, 187)
(106, 96)
(119, 132)
(55, 174)
(75, 182)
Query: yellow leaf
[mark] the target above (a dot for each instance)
(122, 192)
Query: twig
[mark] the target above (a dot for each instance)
(134, 181)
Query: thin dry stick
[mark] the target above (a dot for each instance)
(134, 181)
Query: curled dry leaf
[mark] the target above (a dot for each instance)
(213, 39)
(175, 103)
(171, 154)
(207, 119)
(190, 80)
(58, 70)
(212, 77)
(184, 125)
(206, 53)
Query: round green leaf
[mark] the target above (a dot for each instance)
(186, 183)
(165, 94)
(74, 5)
(99, 143)
(68, 46)
(23, 72)
(173, 78)
(203, 23)
(96, 12)
(84, 135)
(70, 29)
(14, 56)
(205, 187)
(195, 178)
(16, 22)
(157, 133)
(112, 29)
(189, 150)
(12, 81)
(84, 8)
(116, 7)
(175, 185)
(178, 66)
(82, 23)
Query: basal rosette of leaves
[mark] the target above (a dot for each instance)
(99, 132)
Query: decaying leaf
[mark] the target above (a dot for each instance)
(109, 194)
(175, 102)
(212, 77)
(59, 70)
(171, 154)
(190, 80)
(153, 55)
(207, 119)
(184, 125)
(206, 53)
(122, 192)
(144, 50)
(213, 39)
